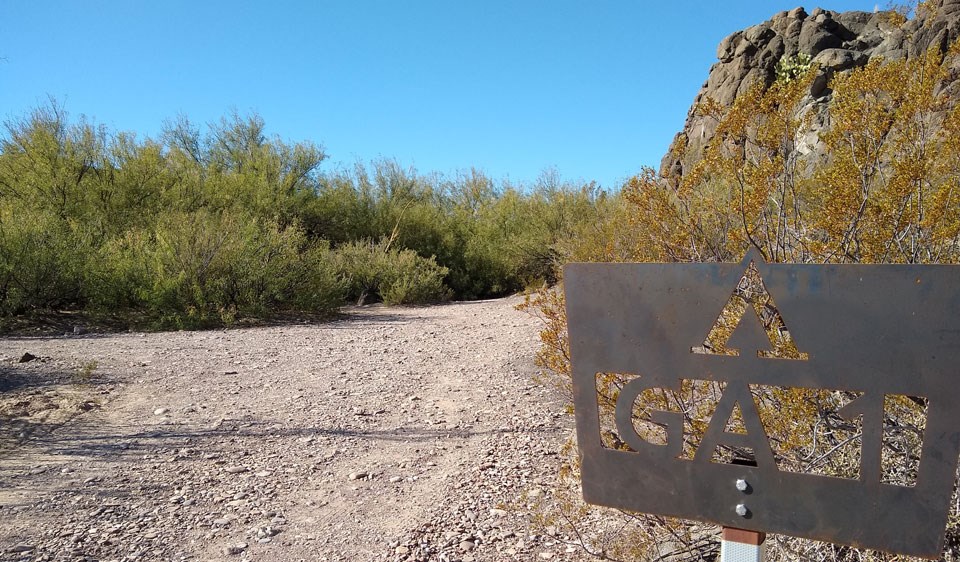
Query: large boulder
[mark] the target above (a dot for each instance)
(836, 42)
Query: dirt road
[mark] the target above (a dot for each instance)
(389, 434)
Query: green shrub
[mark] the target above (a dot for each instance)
(122, 276)
(42, 261)
(374, 270)
(791, 68)
(207, 224)
(411, 279)
(204, 268)
(320, 288)
(359, 264)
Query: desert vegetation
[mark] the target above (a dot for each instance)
(208, 225)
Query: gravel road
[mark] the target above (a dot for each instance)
(388, 434)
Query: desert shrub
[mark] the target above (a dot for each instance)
(204, 268)
(516, 239)
(494, 239)
(199, 275)
(317, 284)
(42, 261)
(360, 264)
(123, 275)
(791, 68)
(374, 271)
(204, 224)
(411, 279)
(339, 212)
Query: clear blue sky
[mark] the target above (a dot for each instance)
(512, 87)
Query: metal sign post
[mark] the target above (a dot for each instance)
(872, 335)
(740, 545)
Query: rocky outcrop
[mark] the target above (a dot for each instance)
(837, 42)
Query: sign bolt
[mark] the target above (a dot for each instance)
(742, 485)
(742, 510)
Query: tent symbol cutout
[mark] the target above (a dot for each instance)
(765, 328)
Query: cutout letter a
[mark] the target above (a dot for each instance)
(766, 324)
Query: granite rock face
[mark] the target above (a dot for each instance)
(837, 42)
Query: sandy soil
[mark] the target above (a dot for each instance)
(389, 434)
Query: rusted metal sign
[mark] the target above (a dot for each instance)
(686, 376)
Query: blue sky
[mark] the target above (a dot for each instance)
(594, 90)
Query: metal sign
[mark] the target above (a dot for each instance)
(866, 339)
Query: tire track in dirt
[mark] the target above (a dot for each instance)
(392, 433)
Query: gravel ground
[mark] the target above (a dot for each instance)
(389, 434)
